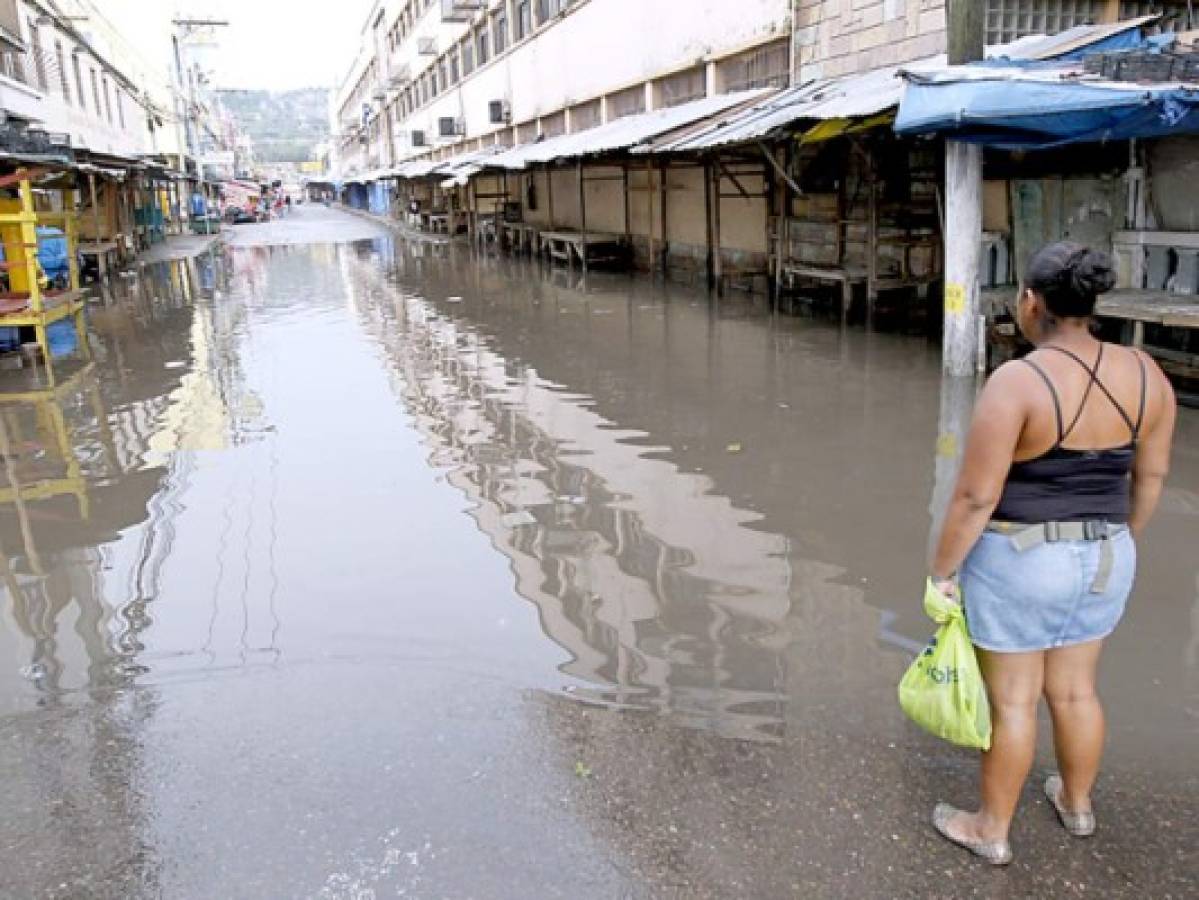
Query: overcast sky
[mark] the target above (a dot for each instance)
(278, 44)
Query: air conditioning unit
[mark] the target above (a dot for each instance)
(426, 46)
(418, 139)
(448, 126)
(459, 10)
(499, 112)
(400, 76)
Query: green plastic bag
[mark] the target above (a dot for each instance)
(943, 690)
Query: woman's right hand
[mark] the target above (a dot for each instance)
(948, 589)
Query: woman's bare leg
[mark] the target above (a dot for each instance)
(1014, 685)
(1078, 725)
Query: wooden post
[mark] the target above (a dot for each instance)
(963, 209)
(91, 187)
(70, 227)
(782, 213)
(583, 216)
(717, 263)
(472, 222)
(549, 195)
(624, 172)
(871, 235)
(665, 249)
(649, 210)
(706, 170)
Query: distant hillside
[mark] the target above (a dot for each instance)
(285, 125)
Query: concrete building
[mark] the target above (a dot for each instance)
(66, 74)
(445, 77)
(837, 37)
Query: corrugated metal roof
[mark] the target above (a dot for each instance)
(846, 97)
(620, 134)
(453, 165)
(855, 96)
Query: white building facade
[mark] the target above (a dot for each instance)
(439, 77)
(63, 72)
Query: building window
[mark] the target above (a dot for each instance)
(454, 73)
(499, 31)
(1011, 19)
(39, 60)
(547, 9)
(468, 57)
(96, 93)
(761, 67)
(79, 81)
(107, 101)
(552, 126)
(627, 102)
(526, 132)
(481, 44)
(524, 19)
(120, 108)
(585, 115)
(682, 87)
(64, 83)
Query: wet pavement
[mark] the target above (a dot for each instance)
(352, 567)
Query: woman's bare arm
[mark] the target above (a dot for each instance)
(999, 418)
(1152, 460)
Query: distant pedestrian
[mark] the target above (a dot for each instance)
(1064, 466)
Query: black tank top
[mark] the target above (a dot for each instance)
(1064, 485)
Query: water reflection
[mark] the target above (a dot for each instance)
(90, 480)
(717, 514)
(665, 593)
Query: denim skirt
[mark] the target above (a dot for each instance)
(1040, 598)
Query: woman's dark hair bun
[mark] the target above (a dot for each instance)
(1091, 273)
(1070, 277)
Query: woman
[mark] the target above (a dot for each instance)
(1064, 466)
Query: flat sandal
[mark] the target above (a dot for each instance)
(1078, 824)
(997, 853)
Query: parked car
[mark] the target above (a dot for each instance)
(239, 216)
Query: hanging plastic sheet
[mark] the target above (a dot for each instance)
(1015, 111)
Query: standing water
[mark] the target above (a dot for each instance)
(382, 567)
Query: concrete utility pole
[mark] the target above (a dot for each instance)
(963, 350)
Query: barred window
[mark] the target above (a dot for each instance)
(585, 115)
(552, 126)
(683, 86)
(627, 102)
(526, 132)
(758, 68)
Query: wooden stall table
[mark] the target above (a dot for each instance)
(521, 237)
(106, 253)
(588, 247)
(1140, 307)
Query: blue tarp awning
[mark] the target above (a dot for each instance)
(1020, 111)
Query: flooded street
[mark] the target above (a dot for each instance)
(353, 566)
